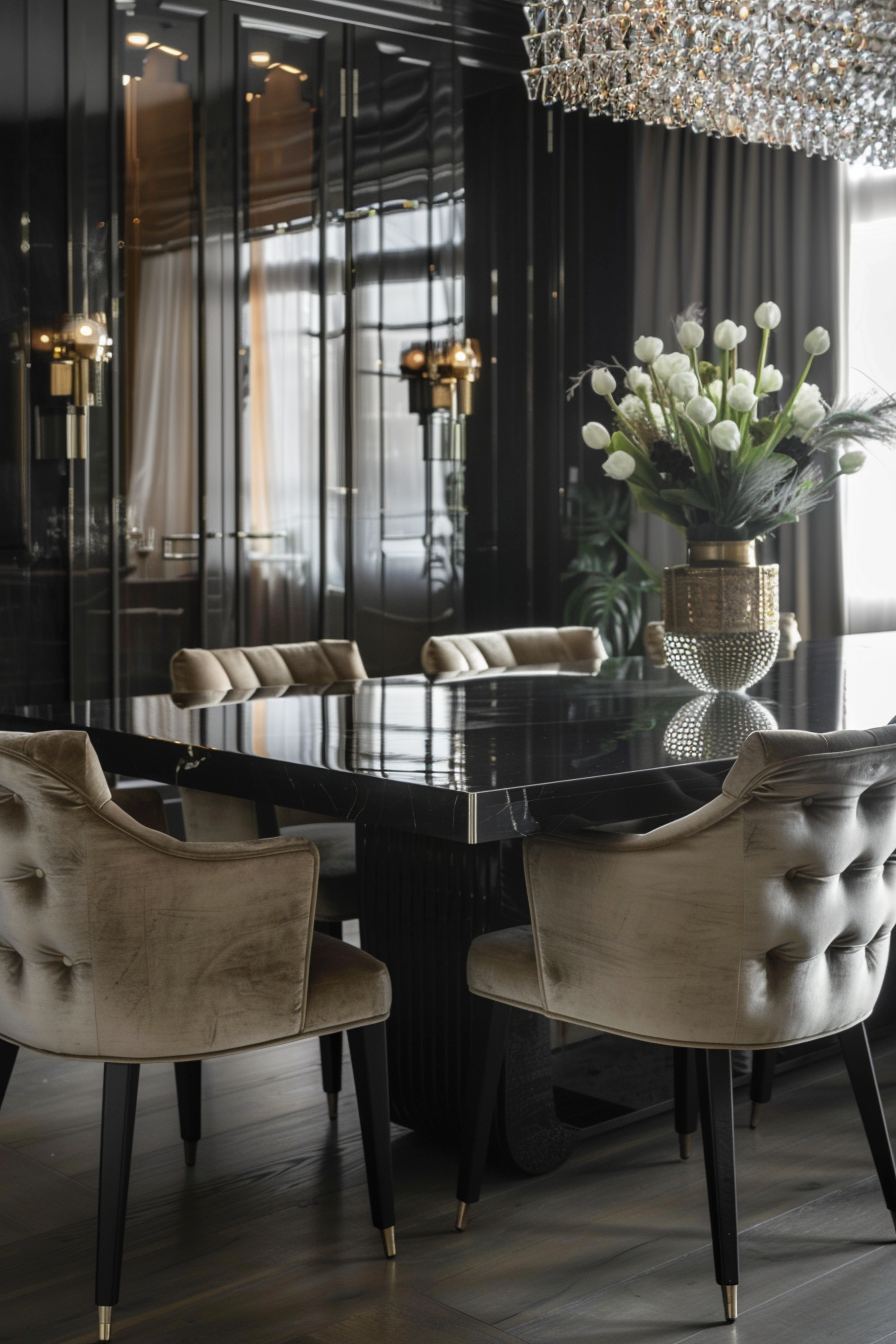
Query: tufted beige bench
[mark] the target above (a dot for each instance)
(511, 648)
(759, 921)
(121, 944)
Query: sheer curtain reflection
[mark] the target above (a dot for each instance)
(729, 226)
(282, 430)
(869, 501)
(162, 487)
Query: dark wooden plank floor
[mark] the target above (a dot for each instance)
(268, 1239)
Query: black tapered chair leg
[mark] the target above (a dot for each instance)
(116, 1143)
(188, 1077)
(488, 1039)
(761, 1080)
(331, 1046)
(860, 1067)
(367, 1047)
(8, 1053)
(684, 1079)
(717, 1124)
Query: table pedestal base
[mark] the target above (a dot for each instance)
(423, 901)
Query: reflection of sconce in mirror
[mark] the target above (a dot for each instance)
(440, 386)
(261, 63)
(713, 727)
(82, 343)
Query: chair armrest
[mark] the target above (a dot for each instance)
(680, 828)
(196, 948)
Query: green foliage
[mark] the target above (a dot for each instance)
(612, 578)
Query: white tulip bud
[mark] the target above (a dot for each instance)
(767, 316)
(727, 335)
(637, 379)
(818, 342)
(684, 386)
(667, 366)
(807, 414)
(648, 348)
(741, 399)
(701, 410)
(595, 435)
(690, 335)
(772, 379)
(853, 462)
(745, 377)
(631, 408)
(619, 465)
(725, 436)
(714, 390)
(603, 382)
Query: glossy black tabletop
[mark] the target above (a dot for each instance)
(487, 756)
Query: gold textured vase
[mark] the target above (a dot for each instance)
(721, 618)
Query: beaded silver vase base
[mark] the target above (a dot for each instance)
(722, 662)
(711, 727)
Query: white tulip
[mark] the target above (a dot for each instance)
(595, 435)
(657, 412)
(725, 436)
(727, 335)
(684, 386)
(714, 390)
(767, 316)
(619, 465)
(741, 399)
(637, 379)
(701, 410)
(603, 382)
(667, 366)
(853, 462)
(745, 377)
(818, 342)
(808, 395)
(808, 414)
(648, 348)
(772, 379)
(690, 335)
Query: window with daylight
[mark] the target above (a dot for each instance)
(869, 498)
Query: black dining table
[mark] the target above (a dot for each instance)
(445, 777)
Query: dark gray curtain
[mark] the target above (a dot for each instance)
(728, 226)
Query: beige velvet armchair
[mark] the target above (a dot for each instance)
(122, 944)
(234, 674)
(511, 648)
(759, 921)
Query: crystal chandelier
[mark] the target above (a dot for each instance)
(818, 79)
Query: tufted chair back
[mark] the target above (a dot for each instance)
(230, 671)
(762, 919)
(511, 648)
(119, 942)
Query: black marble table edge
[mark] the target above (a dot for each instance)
(432, 809)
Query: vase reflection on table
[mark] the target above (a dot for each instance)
(715, 726)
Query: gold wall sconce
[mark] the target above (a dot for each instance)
(440, 381)
(81, 344)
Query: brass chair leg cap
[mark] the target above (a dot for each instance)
(460, 1221)
(755, 1113)
(190, 1146)
(729, 1297)
(684, 1146)
(105, 1315)
(388, 1236)
(333, 1105)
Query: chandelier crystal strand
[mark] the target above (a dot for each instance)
(815, 78)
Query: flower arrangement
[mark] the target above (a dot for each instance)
(700, 443)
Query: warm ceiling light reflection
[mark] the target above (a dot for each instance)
(125, 79)
(137, 39)
(171, 51)
(45, 340)
(290, 69)
(259, 58)
(85, 329)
